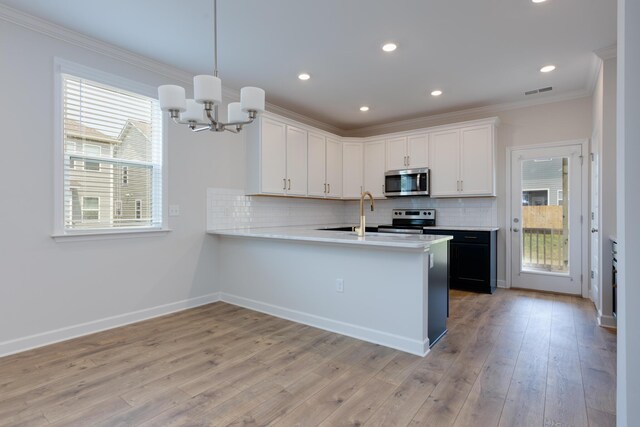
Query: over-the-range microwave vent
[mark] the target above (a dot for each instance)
(541, 90)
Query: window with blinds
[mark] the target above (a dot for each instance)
(112, 143)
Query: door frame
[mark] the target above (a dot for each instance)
(584, 206)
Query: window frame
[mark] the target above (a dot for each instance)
(60, 233)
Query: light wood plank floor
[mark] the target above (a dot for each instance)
(514, 358)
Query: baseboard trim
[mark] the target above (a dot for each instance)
(502, 284)
(63, 334)
(607, 321)
(419, 348)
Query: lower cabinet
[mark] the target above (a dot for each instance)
(472, 259)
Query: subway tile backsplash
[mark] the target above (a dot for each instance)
(231, 208)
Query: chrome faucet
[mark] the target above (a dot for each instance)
(360, 230)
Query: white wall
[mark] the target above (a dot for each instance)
(628, 155)
(48, 285)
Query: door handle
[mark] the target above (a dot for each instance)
(594, 230)
(289, 184)
(284, 183)
(325, 188)
(461, 185)
(408, 160)
(515, 230)
(329, 187)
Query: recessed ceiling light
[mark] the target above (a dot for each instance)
(304, 76)
(538, 1)
(547, 68)
(364, 108)
(389, 47)
(436, 93)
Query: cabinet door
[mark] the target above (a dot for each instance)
(352, 172)
(316, 166)
(296, 161)
(334, 168)
(374, 167)
(273, 154)
(476, 161)
(470, 264)
(445, 163)
(418, 151)
(397, 153)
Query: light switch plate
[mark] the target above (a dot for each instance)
(174, 210)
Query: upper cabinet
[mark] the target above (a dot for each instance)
(374, 167)
(334, 168)
(277, 159)
(408, 152)
(463, 161)
(324, 166)
(289, 159)
(352, 170)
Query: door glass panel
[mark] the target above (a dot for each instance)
(545, 215)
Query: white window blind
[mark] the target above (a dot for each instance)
(112, 145)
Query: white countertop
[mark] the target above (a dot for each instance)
(310, 233)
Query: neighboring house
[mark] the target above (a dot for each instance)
(101, 186)
(542, 183)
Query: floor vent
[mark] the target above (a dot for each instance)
(541, 90)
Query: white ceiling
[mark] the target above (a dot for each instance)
(479, 52)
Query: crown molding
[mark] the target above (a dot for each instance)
(425, 121)
(607, 52)
(305, 119)
(64, 34)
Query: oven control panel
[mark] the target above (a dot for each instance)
(414, 214)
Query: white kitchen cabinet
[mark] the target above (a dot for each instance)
(273, 157)
(374, 167)
(462, 162)
(296, 161)
(408, 152)
(418, 151)
(317, 165)
(397, 153)
(324, 166)
(334, 168)
(352, 170)
(277, 158)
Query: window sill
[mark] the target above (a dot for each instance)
(80, 236)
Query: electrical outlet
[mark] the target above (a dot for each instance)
(339, 285)
(174, 210)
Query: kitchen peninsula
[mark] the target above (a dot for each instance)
(386, 289)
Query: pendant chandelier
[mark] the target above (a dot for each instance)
(201, 113)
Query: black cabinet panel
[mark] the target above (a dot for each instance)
(472, 259)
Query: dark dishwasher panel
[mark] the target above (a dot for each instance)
(472, 259)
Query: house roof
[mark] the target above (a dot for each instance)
(141, 126)
(77, 130)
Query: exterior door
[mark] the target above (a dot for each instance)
(595, 235)
(545, 228)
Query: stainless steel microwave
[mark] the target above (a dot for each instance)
(406, 182)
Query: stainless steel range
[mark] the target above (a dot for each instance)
(409, 221)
